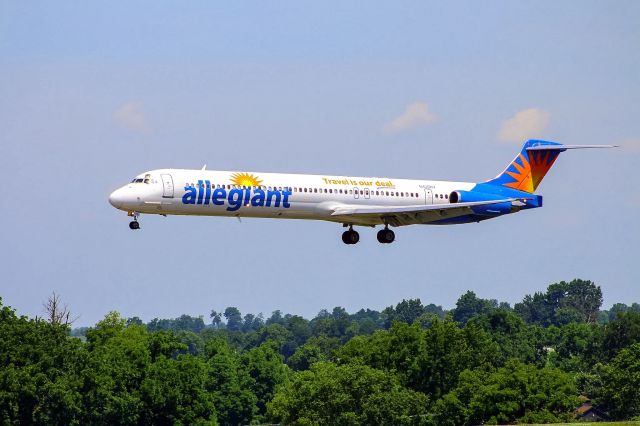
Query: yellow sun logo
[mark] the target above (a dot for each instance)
(245, 179)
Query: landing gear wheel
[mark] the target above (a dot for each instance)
(350, 237)
(386, 236)
(134, 225)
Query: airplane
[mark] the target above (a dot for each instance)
(350, 201)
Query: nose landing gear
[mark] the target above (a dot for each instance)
(134, 224)
(386, 235)
(350, 236)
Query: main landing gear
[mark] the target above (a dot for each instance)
(134, 224)
(350, 236)
(385, 236)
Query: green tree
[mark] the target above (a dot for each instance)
(216, 318)
(234, 318)
(265, 367)
(321, 348)
(328, 394)
(173, 392)
(119, 357)
(448, 351)
(275, 318)
(428, 360)
(469, 305)
(334, 324)
(188, 323)
(576, 347)
(165, 343)
(406, 311)
(229, 384)
(516, 392)
(575, 301)
(620, 333)
(299, 328)
(620, 393)
(279, 336)
(252, 322)
(40, 372)
(512, 337)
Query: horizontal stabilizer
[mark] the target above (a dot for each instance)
(565, 147)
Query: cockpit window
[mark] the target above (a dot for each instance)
(146, 179)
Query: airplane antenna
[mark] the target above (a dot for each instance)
(204, 167)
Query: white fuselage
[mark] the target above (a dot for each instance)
(273, 195)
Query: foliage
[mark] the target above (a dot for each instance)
(516, 392)
(40, 381)
(469, 305)
(409, 364)
(622, 332)
(329, 394)
(620, 392)
(409, 311)
(563, 303)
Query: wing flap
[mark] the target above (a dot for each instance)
(411, 215)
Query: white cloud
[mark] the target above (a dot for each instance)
(415, 115)
(131, 116)
(525, 124)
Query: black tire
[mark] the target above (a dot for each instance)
(350, 237)
(386, 236)
(134, 225)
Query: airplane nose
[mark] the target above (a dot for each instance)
(116, 199)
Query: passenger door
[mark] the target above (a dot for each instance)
(167, 186)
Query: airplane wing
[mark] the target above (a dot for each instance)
(409, 215)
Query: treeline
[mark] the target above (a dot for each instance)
(483, 362)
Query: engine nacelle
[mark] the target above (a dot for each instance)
(486, 210)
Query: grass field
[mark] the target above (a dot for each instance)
(598, 423)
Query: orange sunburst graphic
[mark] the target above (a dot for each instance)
(541, 162)
(245, 179)
(522, 175)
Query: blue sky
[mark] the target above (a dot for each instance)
(94, 93)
